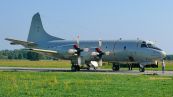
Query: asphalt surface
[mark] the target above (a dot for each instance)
(107, 71)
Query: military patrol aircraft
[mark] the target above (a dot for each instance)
(88, 53)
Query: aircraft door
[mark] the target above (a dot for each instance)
(114, 45)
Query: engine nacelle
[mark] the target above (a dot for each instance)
(107, 53)
(72, 51)
(94, 54)
(12, 43)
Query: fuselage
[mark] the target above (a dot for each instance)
(136, 51)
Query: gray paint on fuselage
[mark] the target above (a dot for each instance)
(120, 50)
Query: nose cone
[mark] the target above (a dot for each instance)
(163, 54)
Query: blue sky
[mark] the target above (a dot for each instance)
(91, 19)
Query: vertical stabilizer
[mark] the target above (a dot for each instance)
(37, 32)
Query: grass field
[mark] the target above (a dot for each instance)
(35, 64)
(75, 84)
(61, 64)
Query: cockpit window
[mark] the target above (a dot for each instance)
(143, 45)
(153, 46)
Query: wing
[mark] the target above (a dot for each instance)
(45, 52)
(23, 43)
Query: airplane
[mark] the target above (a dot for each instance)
(85, 54)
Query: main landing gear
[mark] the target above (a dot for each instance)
(115, 67)
(75, 67)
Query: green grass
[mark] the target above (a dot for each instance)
(75, 84)
(63, 64)
(168, 67)
(35, 64)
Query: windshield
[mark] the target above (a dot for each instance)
(153, 46)
(143, 45)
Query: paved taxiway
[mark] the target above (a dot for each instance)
(108, 71)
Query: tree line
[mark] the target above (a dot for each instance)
(24, 54)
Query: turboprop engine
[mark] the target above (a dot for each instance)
(98, 54)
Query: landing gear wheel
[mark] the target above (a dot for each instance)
(77, 67)
(115, 67)
(73, 68)
(88, 68)
(141, 69)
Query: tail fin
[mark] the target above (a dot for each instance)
(37, 32)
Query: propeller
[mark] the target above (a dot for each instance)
(78, 51)
(98, 54)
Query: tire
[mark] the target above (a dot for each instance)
(73, 68)
(141, 69)
(78, 68)
(88, 68)
(115, 68)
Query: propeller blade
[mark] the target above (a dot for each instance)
(100, 43)
(79, 60)
(163, 66)
(77, 40)
(107, 53)
(100, 62)
(86, 49)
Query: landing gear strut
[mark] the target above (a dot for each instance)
(130, 66)
(115, 67)
(75, 67)
(141, 68)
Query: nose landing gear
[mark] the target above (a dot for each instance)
(141, 68)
